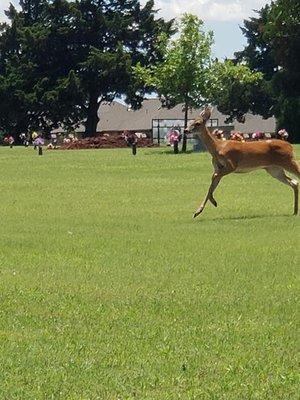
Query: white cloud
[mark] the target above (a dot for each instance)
(210, 10)
(4, 5)
(221, 16)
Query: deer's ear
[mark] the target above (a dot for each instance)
(206, 113)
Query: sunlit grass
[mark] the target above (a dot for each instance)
(110, 290)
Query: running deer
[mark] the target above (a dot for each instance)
(275, 156)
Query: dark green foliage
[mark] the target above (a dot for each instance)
(234, 89)
(60, 59)
(37, 82)
(274, 49)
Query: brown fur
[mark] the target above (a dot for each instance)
(275, 156)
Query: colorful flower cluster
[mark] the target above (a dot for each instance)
(283, 134)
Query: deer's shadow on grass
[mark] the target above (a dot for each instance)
(168, 152)
(246, 217)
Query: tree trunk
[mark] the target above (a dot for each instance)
(22, 126)
(92, 116)
(184, 137)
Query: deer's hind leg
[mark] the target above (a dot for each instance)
(294, 168)
(279, 174)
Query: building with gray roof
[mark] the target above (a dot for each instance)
(116, 117)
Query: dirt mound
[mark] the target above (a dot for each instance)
(104, 142)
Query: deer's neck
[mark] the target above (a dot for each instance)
(208, 139)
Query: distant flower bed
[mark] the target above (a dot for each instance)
(104, 142)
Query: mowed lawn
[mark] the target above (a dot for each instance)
(110, 290)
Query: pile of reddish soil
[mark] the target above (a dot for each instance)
(104, 142)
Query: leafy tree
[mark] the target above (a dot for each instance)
(59, 59)
(233, 88)
(274, 49)
(182, 76)
(112, 37)
(188, 75)
(35, 80)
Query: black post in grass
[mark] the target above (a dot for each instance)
(133, 149)
(176, 147)
(40, 151)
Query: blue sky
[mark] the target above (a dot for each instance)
(221, 16)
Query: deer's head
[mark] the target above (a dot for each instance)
(200, 120)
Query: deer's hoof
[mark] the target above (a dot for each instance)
(199, 211)
(214, 203)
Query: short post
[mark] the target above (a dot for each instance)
(40, 150)
(134, 149)
(176, 147)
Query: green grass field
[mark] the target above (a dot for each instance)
(110, 290)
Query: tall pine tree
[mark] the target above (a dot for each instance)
(59, 60)
(273, 48)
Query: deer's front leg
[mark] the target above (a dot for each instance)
(214, 183)
(217, 168)
(220, 169)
